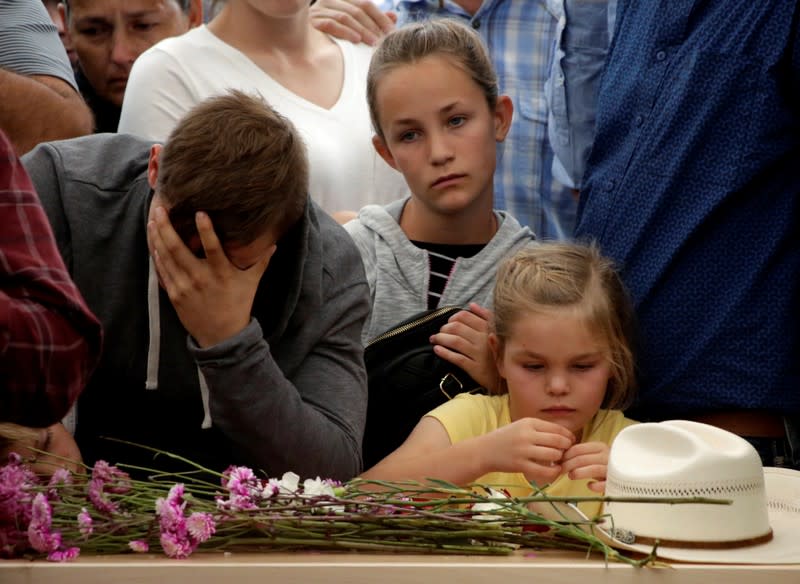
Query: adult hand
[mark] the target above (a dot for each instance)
(588, 460)
(531, 446)
(213, 298)
(464, 342)
(358, 21)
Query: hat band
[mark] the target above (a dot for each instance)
(630, 538)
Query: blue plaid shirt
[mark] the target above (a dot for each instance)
(520, 36)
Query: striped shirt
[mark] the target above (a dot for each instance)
(29, 43)
(442, 258)
(49, 340)
(520, 36)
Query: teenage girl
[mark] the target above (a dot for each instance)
(561, 341)
(438, 119)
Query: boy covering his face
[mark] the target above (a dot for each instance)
(235, 342)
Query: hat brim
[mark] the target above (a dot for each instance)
(783, 499)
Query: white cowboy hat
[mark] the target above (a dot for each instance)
(678, 459)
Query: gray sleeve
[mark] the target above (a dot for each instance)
(311, 424)
(43, 165)
(29, 43)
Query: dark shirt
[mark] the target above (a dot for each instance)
(693, 186)
(106, 114)
(49, 341)
(442, 259)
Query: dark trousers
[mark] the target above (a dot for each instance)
(781, 452)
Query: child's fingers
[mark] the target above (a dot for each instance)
(480, 311)
(593, 471)
(597, 486)
(546, 427)
(466, 319)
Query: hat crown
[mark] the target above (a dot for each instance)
(687, 459)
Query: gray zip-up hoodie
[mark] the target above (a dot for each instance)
(398, 272)
(287, 393)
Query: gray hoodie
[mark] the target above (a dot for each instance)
(398, 271)
(287, 393)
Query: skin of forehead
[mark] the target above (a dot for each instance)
(100, 7)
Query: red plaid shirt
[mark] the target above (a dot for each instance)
(49, 340)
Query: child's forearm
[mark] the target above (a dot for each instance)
(460, 464)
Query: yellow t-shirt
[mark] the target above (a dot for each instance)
(468, 416)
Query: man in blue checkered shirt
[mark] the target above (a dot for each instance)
(520, 37)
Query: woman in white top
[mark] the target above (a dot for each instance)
(270, 47)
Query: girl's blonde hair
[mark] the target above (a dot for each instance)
(437, 37)
(549, 277)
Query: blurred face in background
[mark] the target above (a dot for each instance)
(109, 35)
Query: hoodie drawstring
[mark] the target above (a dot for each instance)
(154, 346)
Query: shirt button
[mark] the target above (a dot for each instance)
(476, 24)
(639, 120)
(661, 55)
(610, 184)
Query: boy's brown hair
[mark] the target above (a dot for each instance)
(239, 161)
(554, 276)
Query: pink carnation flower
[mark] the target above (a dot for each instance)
(64, 555)
(85, 523)
(243, 488)
(99, 498)
(39, 534)
(115, 481)
(200, 526)
(176, 547)
(139, 546)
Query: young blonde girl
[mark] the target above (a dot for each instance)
(438, 118)
(561, 340)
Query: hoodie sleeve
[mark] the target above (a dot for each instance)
(312, 423)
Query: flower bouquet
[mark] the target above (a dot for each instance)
(105, 510)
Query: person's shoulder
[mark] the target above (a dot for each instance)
(464, 402)
(103, 161)
(356, 56)
(337, 248)
(20, 13)
(187, 47)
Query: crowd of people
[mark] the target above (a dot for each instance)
(209, 210)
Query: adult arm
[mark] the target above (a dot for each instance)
(37, 86)
(49, 340)
(156, 97)
(312, 423)
(40, 109)
(583, 40)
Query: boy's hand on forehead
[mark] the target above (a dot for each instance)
(530, 446)
(213, 298)
(588, 460)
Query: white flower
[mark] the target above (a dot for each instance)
(289, 483)
(317, 487)
(481, 508)
(271, 488)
